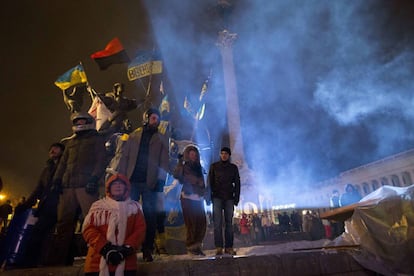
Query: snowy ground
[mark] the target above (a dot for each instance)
(268, 249)
(257, 250)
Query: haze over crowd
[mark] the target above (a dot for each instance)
(324, 86)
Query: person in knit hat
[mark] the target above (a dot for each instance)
(114, 229)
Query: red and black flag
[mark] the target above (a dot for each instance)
(114, 53)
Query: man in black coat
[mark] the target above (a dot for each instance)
(224, 186)
(77, 179)
(46, 212)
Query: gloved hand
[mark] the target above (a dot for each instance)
(127, 250)
(208, 202)
(114, 257)
(112, 254)
(236, 202)
(92, 185)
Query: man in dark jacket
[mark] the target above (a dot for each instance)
(46, 212)
(80, 168)
(224, 184)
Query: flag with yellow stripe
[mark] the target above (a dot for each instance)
(72, 77)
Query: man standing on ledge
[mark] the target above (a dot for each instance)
(143, 157)
(224, 186)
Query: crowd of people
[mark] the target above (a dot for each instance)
(256, 228)
(262, 227)
(130, 217)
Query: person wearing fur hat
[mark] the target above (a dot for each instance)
(114, 229)
(190, 174)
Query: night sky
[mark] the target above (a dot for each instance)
(324, 86)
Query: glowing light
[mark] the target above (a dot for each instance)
(284, 206)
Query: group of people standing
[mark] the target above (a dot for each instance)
(222, 190)
(259, 227)
(116, 226)
(350, 196)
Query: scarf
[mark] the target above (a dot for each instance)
(114, 214)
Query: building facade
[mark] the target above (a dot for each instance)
(396, 170)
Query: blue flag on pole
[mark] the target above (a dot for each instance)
(72, 77)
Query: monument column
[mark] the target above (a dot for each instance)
(224, 42)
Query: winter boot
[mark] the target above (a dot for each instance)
(230, 251)
(147, 255)
(195, 250)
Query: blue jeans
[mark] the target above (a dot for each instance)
(149, 202)
(220, 205)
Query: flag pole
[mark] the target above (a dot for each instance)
(92, 92)
(142, 84)
(150, 76)
(147, 95)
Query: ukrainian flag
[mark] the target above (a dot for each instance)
(72, 77)
(165, 105)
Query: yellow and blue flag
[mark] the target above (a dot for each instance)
(145, 64)
(165, 105)
(72, 77)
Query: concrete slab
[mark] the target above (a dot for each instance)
(301, 263)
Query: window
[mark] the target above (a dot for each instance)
(384, 181)
(365, 188)
(375, 185)
(395, 181)
(406, 178)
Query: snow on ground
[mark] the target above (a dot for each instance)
(265, 249)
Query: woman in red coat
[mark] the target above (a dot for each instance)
(114, 229)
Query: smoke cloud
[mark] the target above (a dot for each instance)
(324, 86)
